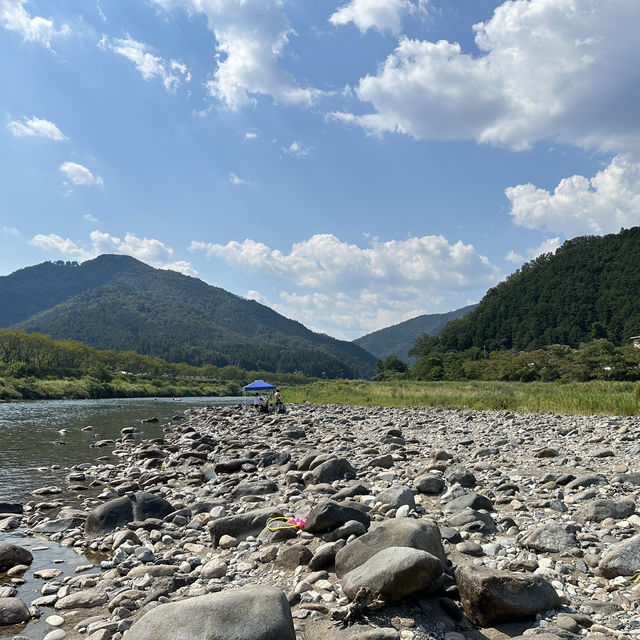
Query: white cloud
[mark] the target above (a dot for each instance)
(148, 250)
(297, 149)
(80, 176)
(383, 15)
(172, 73)
(36, 127)
(89, 218)
(251, 37)
(250, 135)
(10, 231)
(514, 256)
(546, 246)
(579, 205)
(14, 17)
(347, 290)
(549, 69)
(237, 180)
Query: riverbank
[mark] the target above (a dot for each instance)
(543, 501)
(587, 398)
(118, 387)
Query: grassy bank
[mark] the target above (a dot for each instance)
(595, 397)
(117, 387)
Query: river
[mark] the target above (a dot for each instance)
(41, 439)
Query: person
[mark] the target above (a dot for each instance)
(264, 405)
(279, 406)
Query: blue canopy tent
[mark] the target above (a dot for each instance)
(259, 385)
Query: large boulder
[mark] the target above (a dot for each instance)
(255, 488)
(472, 521)
(404, 532)
(85, 599)
(246, 613)
(393, 573)
(621, 559)
(120, 511)
(13, 611)
(12, 554)
(489, 596)
(328, 515)
(397, 495)
(469, 501)
(243, 524)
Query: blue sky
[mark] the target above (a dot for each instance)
(349, 163)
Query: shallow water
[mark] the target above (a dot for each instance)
(37, 435)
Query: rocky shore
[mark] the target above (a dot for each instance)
(419, 523)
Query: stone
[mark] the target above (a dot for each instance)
(394, 573)
(332, 470)
(599, 510)
(550, 537)
(328, 515)
(13, 554)
(120, 511)
(256, 488)
(621, 559)
(461, 475)
(397, 495)
(587, 480)
(244, 613)
(213, 569)
(58, 525)
(85, 599)
(489, 596)
(243, 524)
(429, 484)
(469, 501)
(293, 556)
(420, 534)
(13, 611)
(472, 521)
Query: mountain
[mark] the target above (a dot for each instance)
(586, 290)
(118, 302)
(399, 338)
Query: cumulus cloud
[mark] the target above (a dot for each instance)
(383, 15)
(251, 37)
(79, 175)
(580, 205)
(14, 17)
(297, 149)
(148, 250)
(36, 127)
(351, 290)
(171, 72)
(548, 69)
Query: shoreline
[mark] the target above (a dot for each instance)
(519, 463)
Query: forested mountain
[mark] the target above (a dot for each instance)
(399, 338)
(587, 290)
(117, 302)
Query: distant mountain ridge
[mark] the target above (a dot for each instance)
(586, 290)
(399, 338)
(118, 302)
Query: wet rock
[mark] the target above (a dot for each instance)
(489, 596)
(13, 611)
(13, 554)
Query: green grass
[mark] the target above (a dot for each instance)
(595, 397)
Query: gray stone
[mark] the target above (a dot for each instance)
(58, 525)
(469, 501)
(490, 597)
(13, 611)
(397, 495)
(550, 537)
(622, 559)
(472, 521)
(246, 613)
(393, 573)
(120, 511)
(417, 534)
(598, 510)
(328, 515)
(12, 554)
(255, 488)
(332, 470)
(83, 599)
(243, 524)
(429, 484)
(461, 475)
(587, 480)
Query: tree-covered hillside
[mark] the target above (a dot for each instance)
(117, 302)
(586, 290)
(399, 338)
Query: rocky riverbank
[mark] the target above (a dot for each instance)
(419, 523)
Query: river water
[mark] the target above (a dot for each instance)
(41, 439)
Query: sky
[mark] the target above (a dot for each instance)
(349, 163)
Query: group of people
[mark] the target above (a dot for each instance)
(264, 406)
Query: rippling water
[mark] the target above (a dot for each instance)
(36, 435)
